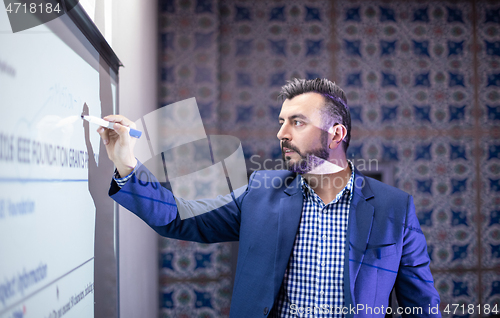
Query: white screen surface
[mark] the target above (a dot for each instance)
(47, 214)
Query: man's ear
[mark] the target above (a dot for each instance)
(337, 134)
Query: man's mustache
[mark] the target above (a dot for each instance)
(287, 144)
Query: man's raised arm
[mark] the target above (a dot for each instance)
(206, 220)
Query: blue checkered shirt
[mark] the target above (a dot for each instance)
(314, 278)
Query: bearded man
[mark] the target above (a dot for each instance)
(330, 242)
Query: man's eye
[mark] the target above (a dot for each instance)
(297, 123)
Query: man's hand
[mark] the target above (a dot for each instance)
(119, 144)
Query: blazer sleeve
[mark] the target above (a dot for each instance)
(145, 197)
(414, 282)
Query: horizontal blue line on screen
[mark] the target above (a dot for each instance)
(13, 180)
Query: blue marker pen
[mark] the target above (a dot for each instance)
(107, 124)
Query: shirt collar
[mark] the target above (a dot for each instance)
(307, 190)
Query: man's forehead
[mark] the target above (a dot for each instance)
(307, 104)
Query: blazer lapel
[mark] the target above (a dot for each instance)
(358, 232)
(359, 228)
(290, 211)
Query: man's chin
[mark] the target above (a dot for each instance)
(300, 167)
(290, 165)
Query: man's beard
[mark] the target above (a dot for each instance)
(310, 159)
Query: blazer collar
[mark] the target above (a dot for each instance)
(361, 187)
(360, 224)
(358, 232)
(294, 186)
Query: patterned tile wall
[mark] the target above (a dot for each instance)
(262, 45)
(421, 83)
(189, 54)
(422, 80)
(488, 145)
(195, 279)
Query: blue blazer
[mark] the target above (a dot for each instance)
(386, 248)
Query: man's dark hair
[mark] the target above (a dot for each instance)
(336, 109)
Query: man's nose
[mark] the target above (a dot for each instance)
(284, 132)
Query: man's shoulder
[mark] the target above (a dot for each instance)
(384, 190)
(285, 178)
(273, 179)
(384, 197)
(273, 173)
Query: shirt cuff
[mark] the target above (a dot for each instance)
(121, 181)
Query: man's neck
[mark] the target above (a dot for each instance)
(327, 186)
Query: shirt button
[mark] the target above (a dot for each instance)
(322, 293)
(266, 310)
(322, 263)
(324, 237)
